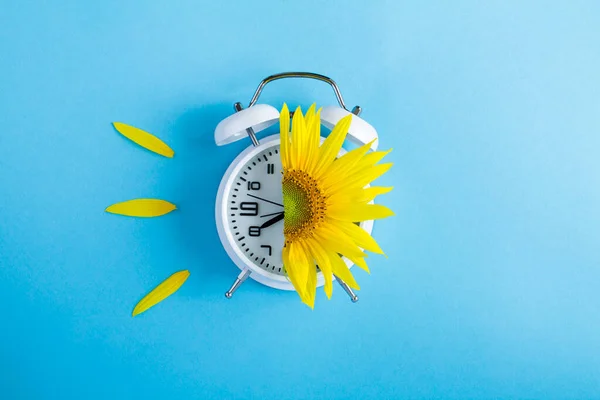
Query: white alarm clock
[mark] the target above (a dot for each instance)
(249, 205)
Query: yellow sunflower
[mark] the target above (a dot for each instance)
(324, 197)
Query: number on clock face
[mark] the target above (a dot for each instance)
(256, 210)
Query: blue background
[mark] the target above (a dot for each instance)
(491, 289)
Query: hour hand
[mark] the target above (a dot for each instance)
(272, 221)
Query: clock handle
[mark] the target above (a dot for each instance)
(238, 281)
(309, 75)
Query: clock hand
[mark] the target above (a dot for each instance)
(272, 221)
(268, 215)
(268, 201)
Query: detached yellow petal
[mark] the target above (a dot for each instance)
(144, 139)
(161, 292)
(142, 208)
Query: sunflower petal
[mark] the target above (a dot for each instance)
(298, 148)
(310, 114)
(311, 286)
(369, 194)
(362, 178)
(161, 292)
(362, 264)
(285, 255)
(360, 237)
(331, 146)
(291, 273)
(333, 239)
(297, 267)
(144, 139)
(357, 195)
(359, 212)
(341, 270)
(345, 245)
(142, 208)
(369, 160)
(340, 167)
(313, 126)
(284, 127)
(322, 260)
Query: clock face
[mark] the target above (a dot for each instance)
(255, 210)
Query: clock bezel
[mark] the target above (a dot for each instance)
(226, 236)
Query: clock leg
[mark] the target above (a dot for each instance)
(238, 281)
(347, 289)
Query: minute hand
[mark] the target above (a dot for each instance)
(268, 201)
(272, 221)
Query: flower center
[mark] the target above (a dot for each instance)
(303, 204)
